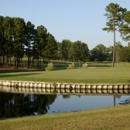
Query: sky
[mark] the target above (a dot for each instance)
(81, 20)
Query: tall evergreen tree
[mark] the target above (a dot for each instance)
(125, 28)
(8, 37)
(115, 15)
(18, 40)
(41, 42)
(64, 49)
(51, 48)
(1, 39)
(29, 41)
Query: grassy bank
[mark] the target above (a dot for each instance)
(89, 75)
(113, 118)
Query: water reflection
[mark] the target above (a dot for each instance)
(21, 104)
(83, 102)
(127, 101)
(16, 105)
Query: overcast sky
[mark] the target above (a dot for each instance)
(67, 19)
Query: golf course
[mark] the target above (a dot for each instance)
(65, 65)
(114, 118)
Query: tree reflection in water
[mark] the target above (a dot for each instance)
(16, 105)
(66, 96)
(125, 102)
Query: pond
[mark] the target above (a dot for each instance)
(24, 104)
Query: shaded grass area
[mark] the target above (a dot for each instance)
(8, 70)
(112, 118)
(99, 64)
(89, 75)
(58, 65)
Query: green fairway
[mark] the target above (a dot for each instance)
(89, 75)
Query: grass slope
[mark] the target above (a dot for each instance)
(113, 118)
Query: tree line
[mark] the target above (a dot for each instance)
(19, 38)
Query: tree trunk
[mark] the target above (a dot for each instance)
(14, 62)
(113, 61)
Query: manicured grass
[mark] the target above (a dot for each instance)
(112, 118)
(89, 75)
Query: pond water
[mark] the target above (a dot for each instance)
(15, 105)
(76, 103)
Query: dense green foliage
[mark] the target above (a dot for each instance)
(125, 28)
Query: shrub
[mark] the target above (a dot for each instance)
(71, 66)
(50, 67)
(85, 65)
